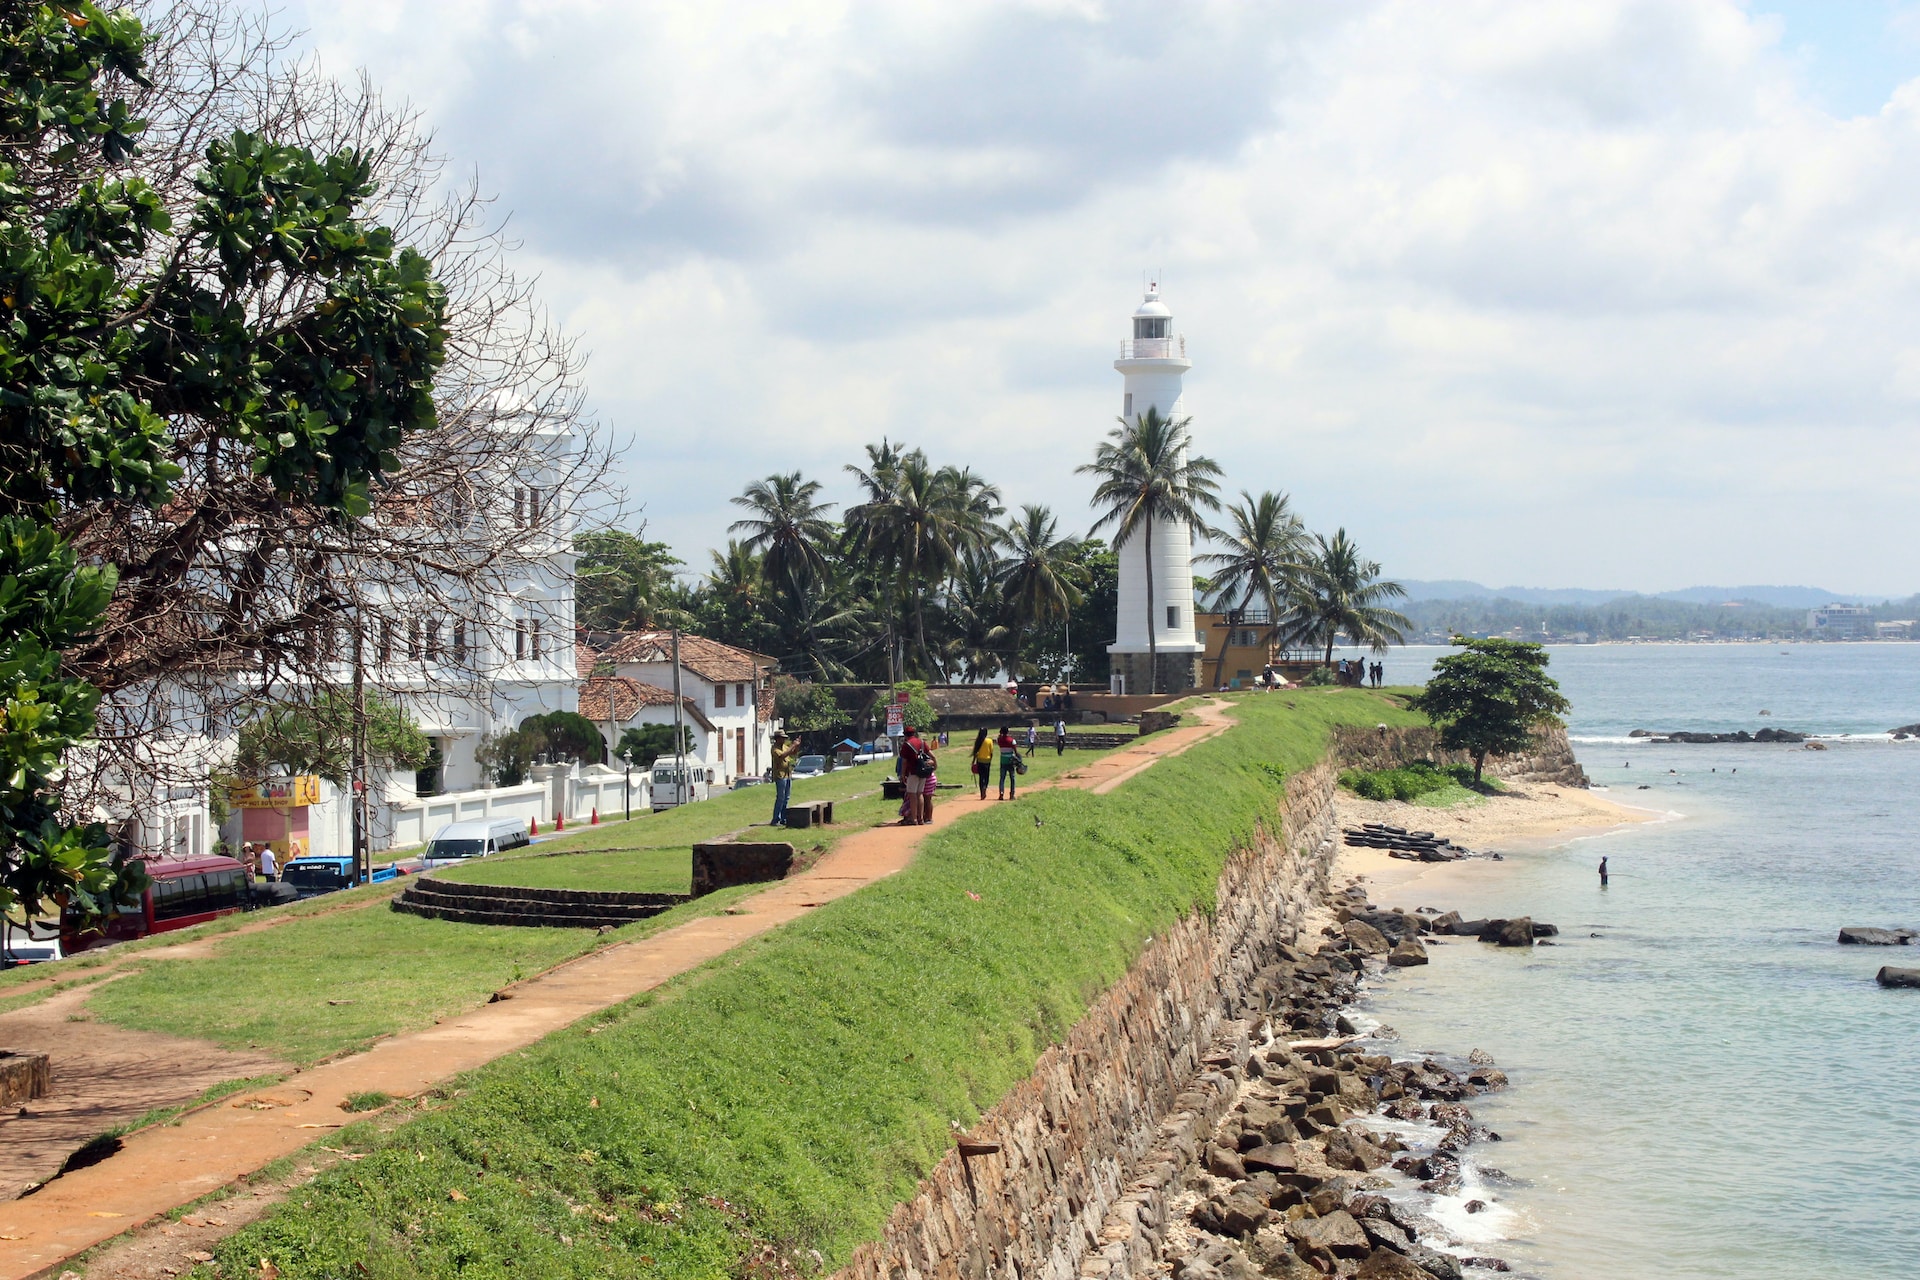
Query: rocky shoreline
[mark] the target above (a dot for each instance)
(1332, 1142)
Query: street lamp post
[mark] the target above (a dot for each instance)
(627, 755)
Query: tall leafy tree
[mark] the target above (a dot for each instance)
(1488, 698)
(1146, 477)
(1040, 576)
(623, 582)
(788, 528)
(871, 535)
(1264, 550)
(317, 737)
(1340, 590)
(267, 314)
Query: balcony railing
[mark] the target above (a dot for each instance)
(1154, 348)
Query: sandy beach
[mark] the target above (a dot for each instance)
(1523, 812)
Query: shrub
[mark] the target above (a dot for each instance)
(1409, 782)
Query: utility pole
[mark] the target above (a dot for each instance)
(679, 751)
(362, 843)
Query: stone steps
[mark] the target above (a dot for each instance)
(537, 908)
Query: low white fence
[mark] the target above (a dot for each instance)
(412, 822)
(604, 790)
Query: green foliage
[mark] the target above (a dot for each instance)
(564, 735)
(317, 737)
(1407, 783)
(808, 1080)
(1318, 677)
(372, 1100)
(1487, 698)
(805, 707)
(1336, 590)
(624, 582)
(115, 326)
(648, 742)
(919, 713)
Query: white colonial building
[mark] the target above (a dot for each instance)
(1152, 363)
(726, 697)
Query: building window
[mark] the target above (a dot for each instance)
(526, 505)
(460, 642)
(383, 647)
(519, 639)
(1151, 326)
(1173, 616)
(740, 695)
(1126, 410)
(719, 695)
(413, 639)
(533, 637)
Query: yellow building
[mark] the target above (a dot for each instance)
(1242, 642)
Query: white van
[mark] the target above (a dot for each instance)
(458, 841)
(679, 780)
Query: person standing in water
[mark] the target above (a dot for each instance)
(1603, 873)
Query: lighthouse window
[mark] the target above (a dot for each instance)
(1150, 326)
(1126, 410)
(1173, 616)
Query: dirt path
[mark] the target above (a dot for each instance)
(164, 1167)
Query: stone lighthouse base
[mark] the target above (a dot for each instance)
(1179, 671)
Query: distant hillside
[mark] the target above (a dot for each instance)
(1778, 597)
(1627, 617)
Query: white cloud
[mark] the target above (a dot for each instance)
(1579, 292)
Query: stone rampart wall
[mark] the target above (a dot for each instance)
(1092, 1143)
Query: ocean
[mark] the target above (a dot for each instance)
(1704, 1083)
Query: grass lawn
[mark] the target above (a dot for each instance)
(790, 1093)
(624, 870)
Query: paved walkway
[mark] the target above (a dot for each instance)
(164, 1167)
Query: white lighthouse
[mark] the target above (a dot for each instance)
(1152, 362)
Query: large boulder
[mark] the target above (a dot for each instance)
(1868, 936)
(1892, 977)
(1407, 954)
(1470, 928)
(1385, 1264)
(1517, 932)
(1366, 938)
(1354, 1152)
(1336, 1235)
(1275, 1157)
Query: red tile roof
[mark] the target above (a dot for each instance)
(708, 659)
(627, 696)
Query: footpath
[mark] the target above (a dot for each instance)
(167, 1166)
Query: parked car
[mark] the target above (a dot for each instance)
(458, 841)
(20, 947)
(809, 766)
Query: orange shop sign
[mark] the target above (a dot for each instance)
(278, 793)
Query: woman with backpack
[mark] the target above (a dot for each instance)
(1010, 765)
(982, 762)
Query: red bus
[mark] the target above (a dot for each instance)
(186, 892)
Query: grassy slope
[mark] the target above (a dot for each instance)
(809, 1078)
(333, 981)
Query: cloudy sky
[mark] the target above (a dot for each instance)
(1615, 293)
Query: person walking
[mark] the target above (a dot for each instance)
(1060, 735)
(983, 761)
(1009, 763)
(1033, 735)
(269, 869)
(785, 751)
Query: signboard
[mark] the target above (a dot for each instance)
(278, 793)
(896, 720)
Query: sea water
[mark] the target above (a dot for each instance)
(1704, 1083)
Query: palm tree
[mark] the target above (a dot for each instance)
(977, 639)
(1040, 579)
(787, 527)
(871, 529)
(1146, 477)
(1341, 591)
(1266, 550)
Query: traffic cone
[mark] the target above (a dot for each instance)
(595, 820)
(533, 826)
(559, 821)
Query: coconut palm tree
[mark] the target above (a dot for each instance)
(1340, 590)
(871, 530)
(1266, 549)
(1146, 477)
(787, 526)
(977, 640)
(1040, 579)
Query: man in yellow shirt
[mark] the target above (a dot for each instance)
(785, 751)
